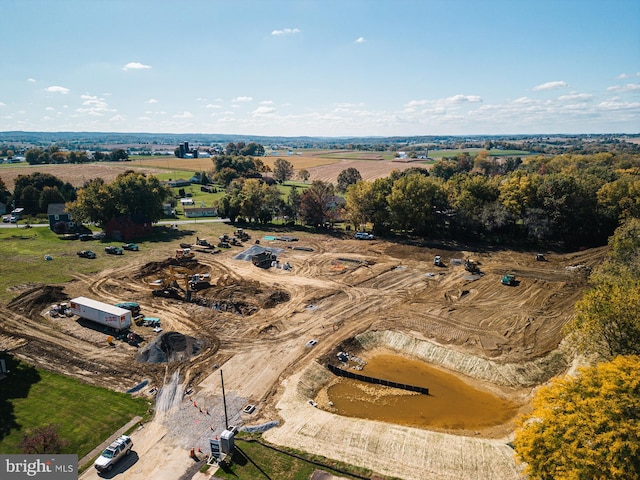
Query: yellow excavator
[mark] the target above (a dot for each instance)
(178, 282)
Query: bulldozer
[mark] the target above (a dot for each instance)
(242, 235)
(201, 242)
(471, 266)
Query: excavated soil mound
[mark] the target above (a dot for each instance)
(155, 268)
(240, 296)
(33, 301)
(171, 347)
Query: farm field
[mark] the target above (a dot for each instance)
(253, 324)
(319, 165)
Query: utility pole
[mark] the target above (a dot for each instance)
(224, 402)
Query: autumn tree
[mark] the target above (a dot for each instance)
(607, 320)
(44, 439)
(587, 426)
(129, 194)
(317, 203)
(4, 192)
(359, 207)
(282, 170)
(413, 202)
(348, 177)
(304, 175)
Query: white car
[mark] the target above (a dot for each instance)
(363, 236)
(113, 453)
(311, 343)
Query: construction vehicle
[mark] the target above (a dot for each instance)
(179, 283)
(235, 241)
(201, 242)
(509, 279)
(101, 313)
(437, 261)
(224, 241)
(540, 257)
(471, 266)
(184, 254)
(242, 235)
(263, 259)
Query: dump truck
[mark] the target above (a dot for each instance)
(263, 259)
(101, 313)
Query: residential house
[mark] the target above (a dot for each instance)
(60, 220)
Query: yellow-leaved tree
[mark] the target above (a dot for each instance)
(585, 426)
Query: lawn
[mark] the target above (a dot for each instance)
(85, 415)
(23, 263)
(254, 460)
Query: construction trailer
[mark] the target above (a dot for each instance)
(102, 313)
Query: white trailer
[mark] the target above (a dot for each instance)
(102, 313)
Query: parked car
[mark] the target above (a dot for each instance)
(114, 453)
(6, 218)
(14, 219)
(130, 246)
(113, 250)
(86, 254)
(311, 343)
(363, 236)
(85, 237)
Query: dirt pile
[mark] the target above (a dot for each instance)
(171, 347)
(32, 302)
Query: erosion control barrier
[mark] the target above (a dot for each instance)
(387, 383)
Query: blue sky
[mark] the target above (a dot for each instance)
(321, 68)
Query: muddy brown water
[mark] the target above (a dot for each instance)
(452, 404)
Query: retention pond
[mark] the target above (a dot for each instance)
(452, 404)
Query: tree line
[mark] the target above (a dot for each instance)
(55, 155)
(587, 425)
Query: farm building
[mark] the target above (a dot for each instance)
(128, 227)
(193, 212)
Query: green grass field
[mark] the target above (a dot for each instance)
(253, 460)
(85, 415)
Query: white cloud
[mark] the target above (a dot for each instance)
(461, 99)
(263, 111)
(152, 100)
(266, 102)
(57, 89)
(580, 97)
(2, 104)
(622, 76)
(135, 66)
(118, 118)
(94, 105)
(285, 31)
(49, 109)
(629, 87)
(31, 80)
(184, 115)
(612, 105)
(550, 85)
(360, 40)
(242, 99)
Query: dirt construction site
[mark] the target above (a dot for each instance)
(251, 327)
